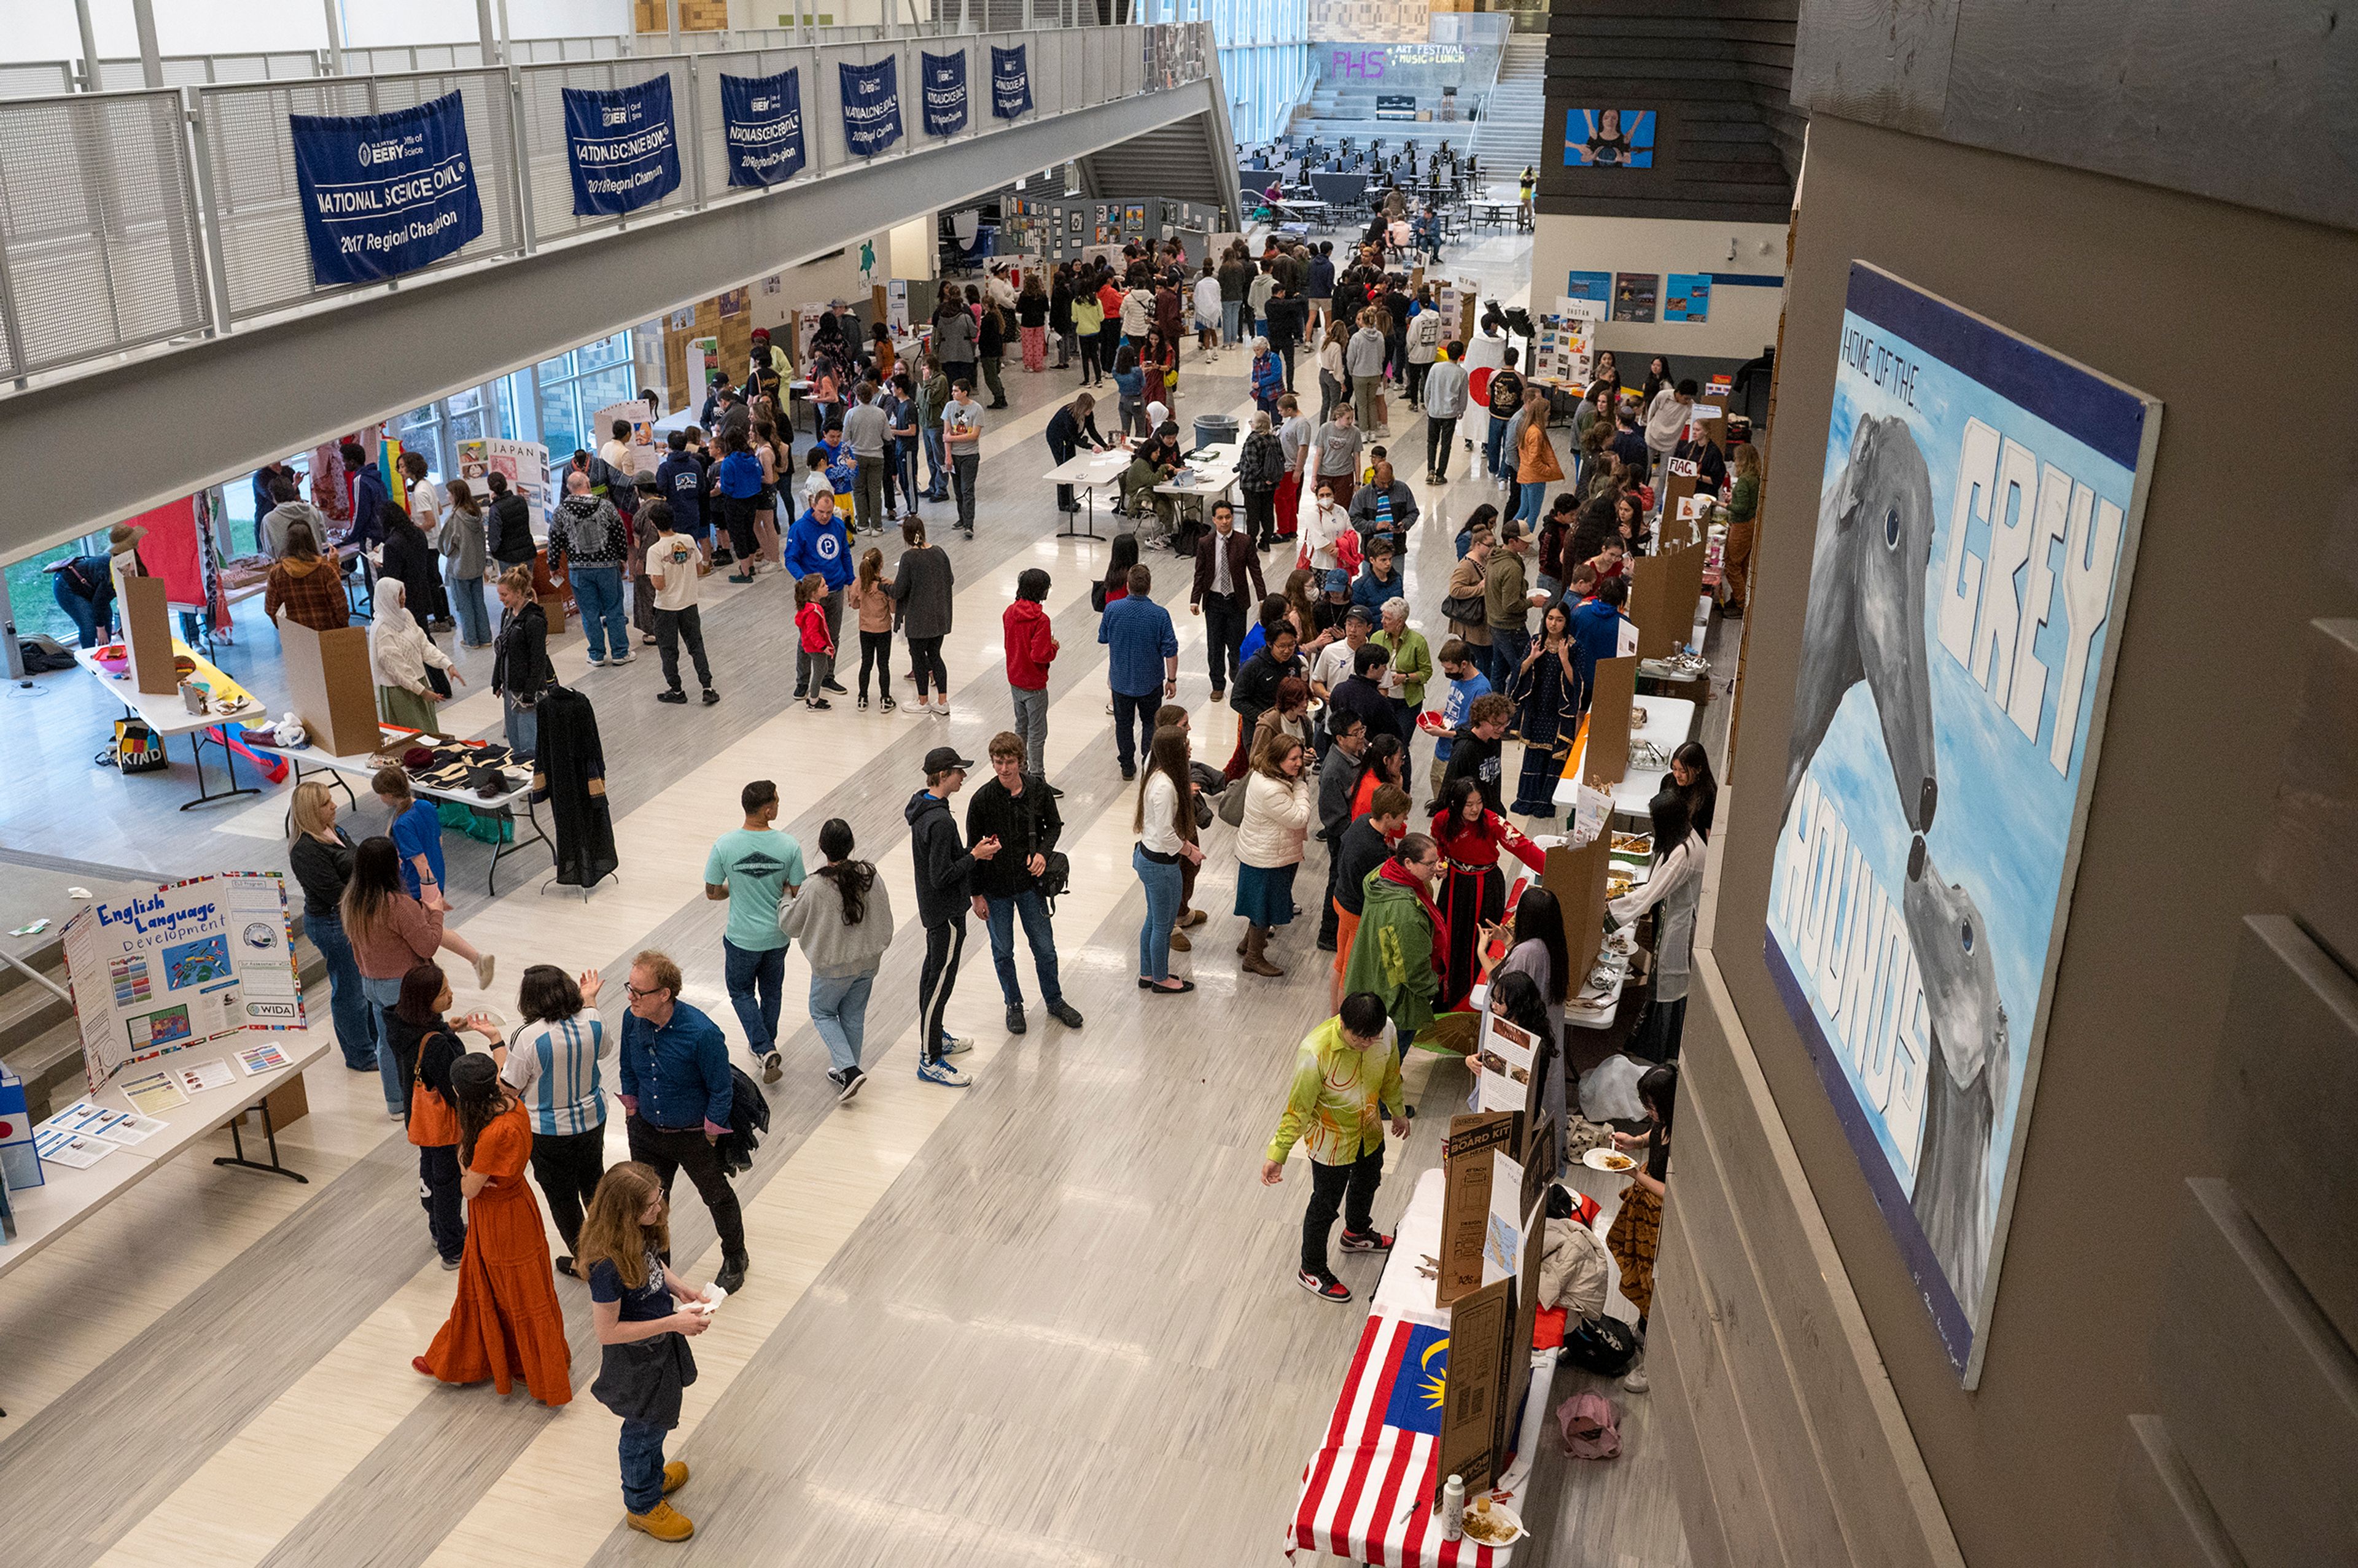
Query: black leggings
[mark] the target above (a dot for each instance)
(876, 649)
(1088, 358)
(926, 659)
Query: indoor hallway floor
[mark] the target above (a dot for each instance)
(1049, 1319)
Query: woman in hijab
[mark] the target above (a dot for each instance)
(400, 654)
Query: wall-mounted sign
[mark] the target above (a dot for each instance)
(1979, 522)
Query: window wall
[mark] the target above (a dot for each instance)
(1264, 61)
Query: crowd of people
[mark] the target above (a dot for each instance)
(1330, 688)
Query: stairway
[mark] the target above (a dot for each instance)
(1512, 130)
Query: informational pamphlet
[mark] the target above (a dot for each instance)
(204, 1076)
(263, 1059)
(155, 1093)
(71, 1149)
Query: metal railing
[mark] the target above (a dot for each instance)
(132, 218)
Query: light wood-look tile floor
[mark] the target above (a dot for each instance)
(1047, 1319)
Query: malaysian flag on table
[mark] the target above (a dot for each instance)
(1365, 1495)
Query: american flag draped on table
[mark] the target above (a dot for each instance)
(1365, 1494)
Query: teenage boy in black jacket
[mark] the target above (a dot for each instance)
(945, 867)
(1016, 811)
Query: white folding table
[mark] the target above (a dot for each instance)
(166, 714)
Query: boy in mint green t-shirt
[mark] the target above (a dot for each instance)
(752, 869)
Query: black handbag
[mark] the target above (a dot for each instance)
(1604, 1345)
(1466, 608)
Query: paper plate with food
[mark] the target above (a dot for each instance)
(1492, 1523)
(1611, 1159)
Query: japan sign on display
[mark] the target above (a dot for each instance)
(945, 77)
(871, 105)
(188, 963)
(1011, 82)
(762, 120)
(384, 194)
(1976, 526)
(621, 145)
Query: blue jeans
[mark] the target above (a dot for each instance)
(643, 1466)
(1036, 931)
(598, 590)
(89, 618)
(380, 995)
(1490, 443)
(467, 605)
(938, 466)
(1506, 650)
(521, 720)
(1533, 504)
(1230, 309)
(838, 1010)
(355, 1034)
(1133, 726)
(1162, 889)
(756, 979)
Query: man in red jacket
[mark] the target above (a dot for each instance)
(1030, 649)
(1224, 561)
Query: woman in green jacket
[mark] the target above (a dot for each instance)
(1402, 942)
(1411, 664)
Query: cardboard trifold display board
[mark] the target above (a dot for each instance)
(1577, 877)
(1481, 1328)
(148, 632)
(1662, 593)
(1468, 1162)
(1526, 1309)
(329, 682)
(1606, 758)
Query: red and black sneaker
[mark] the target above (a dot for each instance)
(1373, 1242)
(1326, 1287)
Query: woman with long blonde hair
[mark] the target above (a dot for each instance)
(320, 853)
(643, 1334)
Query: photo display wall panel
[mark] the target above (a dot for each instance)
(1977, 525)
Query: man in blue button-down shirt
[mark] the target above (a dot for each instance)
(1142, 665)
(676, 1092)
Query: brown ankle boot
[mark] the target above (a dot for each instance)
(1256, 953)
(1179, 943)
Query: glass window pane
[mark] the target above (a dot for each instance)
(467, 426)
(605, 351)
(615, 384)
(461, 401)
(560, 420)
(32, 594)
(556, 369)
(504, 394)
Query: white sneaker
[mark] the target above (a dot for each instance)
(942, 710)
(483, 971)
(953, 1046)
(1634, 1381)
(942, 1073)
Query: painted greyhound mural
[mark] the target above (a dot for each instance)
(1866, 618)
(1965, 1079)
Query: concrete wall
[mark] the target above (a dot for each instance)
(1807, 1385)
(1742, 318)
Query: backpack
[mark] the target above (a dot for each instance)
(1604, 1345)
(1055, 879)
(1589, 1426)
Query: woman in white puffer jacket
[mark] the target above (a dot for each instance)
(1269, 843)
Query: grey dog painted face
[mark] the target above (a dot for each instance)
(1865, 620)
(1965, 1080)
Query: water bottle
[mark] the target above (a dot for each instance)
(1453, 1509)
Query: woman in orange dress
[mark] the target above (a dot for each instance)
(506, 1320)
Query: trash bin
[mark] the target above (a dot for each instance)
(1213, 429)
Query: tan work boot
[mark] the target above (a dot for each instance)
(674, 1476)
(663, 1521)
(1256, 953)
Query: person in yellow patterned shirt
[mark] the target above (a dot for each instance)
(1343, 1076)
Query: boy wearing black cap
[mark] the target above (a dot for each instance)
(943, 866)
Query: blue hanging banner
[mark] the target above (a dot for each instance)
(762, 120)
(621, 145)
(384, 194)
(871, 106)
(1011, 82)
(944, 93)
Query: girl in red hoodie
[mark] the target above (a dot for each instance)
(810, 617)
(1030, 649)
